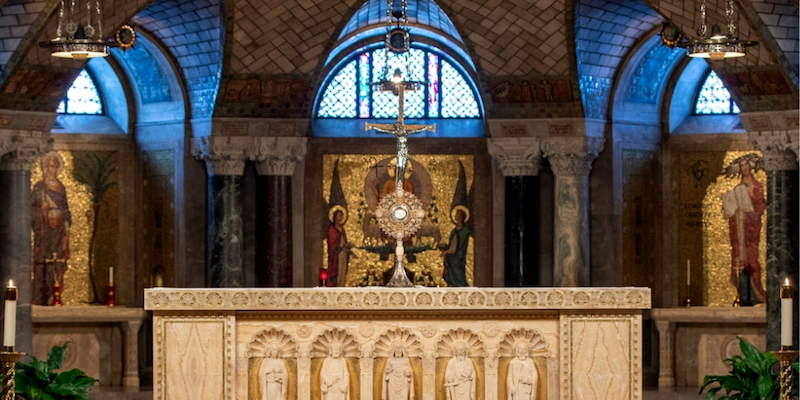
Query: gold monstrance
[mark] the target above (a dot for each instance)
(400, 213)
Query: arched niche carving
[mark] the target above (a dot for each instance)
(265, 339)
(446, 345)
(536, 344)
(386, 342)
(321, 346)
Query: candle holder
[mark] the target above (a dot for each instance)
(687, 302)
(111, 300)
(9, 358)
(785, 356)
(57, 294)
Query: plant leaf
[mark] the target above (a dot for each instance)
(73, 384)
(56, 357)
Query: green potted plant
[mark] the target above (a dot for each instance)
(753, 376)
(38, 381)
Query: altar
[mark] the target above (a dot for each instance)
(573, 343)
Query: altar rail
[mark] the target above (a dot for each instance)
(585, 342)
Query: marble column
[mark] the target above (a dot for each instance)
(276, 161)
(779, 149)
(571, 160)
(224, 160)
(18, 151)
(519, 159)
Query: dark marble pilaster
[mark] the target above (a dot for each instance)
(522, 231)
(17, 152)
(225, 237)
(779, 149)
(571, 159)
(274, 231)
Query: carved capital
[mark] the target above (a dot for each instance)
(778, 147)
(20, 149)
(516, 156)
(225, 155)
(572, 155)
(279, 155)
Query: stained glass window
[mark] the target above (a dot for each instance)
(714, 98)
(82, 97)
(445, 92)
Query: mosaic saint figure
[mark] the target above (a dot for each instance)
(455, 254)
(460, 376)
(398, 377)
(51, 221)
(339, 249)
(522, 375)
(272, 375)
(743, 207)
(334, 377)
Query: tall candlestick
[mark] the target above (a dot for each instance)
(110, 275)
(10, 316)
(688, 272)
(786, 314)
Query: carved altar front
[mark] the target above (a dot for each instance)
(382, 343)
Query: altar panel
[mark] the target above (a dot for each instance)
(382, 343)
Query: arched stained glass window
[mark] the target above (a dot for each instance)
(714, 98)
(82, 97)
(445, 93)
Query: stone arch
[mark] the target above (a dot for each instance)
(409, 341)
(320, 348)
(265, 339)
(532, 338)
(447, 343)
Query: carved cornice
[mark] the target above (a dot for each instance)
(571, 155)
(516, 156)
(387, 299)
(19, 149)
(780, 148)
(279, 155)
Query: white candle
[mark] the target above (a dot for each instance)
(786, 314)
(110, 275)
(10, 316)
(688, 272)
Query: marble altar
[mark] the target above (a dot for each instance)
(585, 343)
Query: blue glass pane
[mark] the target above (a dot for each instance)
(714, 98)
(458, 101)
(385, 103)
(433, 85)
(363, 86)
(82, 97)
(339, 99)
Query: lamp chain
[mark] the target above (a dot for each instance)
(59, 31)
(729, 18)
(99, 22)
(703, 28)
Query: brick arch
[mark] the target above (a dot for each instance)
(35, 81)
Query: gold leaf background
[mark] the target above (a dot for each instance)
(353, 171)
(77, 288)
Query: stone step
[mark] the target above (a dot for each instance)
(121, 393)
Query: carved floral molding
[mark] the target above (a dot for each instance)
(516, 156)
(226, 155)
(19, 149)
(378, 298)
(780, 148)
(572, 155)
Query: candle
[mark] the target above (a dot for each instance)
(688, 272)
(786, 314)
(110, 275)
(10, 316)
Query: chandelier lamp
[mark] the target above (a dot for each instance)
(79, 37)
(717, 45)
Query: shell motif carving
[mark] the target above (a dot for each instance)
(347, 343)
(456, 337)
(555, 299)
(424, 299)
(528, 299)
(160, 299)
(387, 342)
(267, 339)
(581, 299)
(536, 344)
(187, 300)
(397, 299)
(450, 299)
(214, 299)
(240, 300)
(607, 298)
(266, 299)
(318, 299)
(502, 299)
(634, 298)
(476, 299)
(345, 299)
(372, 299)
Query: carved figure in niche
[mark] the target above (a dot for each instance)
(398, 376)
(334, 378)
(460, 376)
(522, 377)
(51, 221)
(339, 248)
(743, 207)
(272, 375)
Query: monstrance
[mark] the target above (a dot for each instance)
(400, 213)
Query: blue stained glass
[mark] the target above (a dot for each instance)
(714, 98)
(363, 86)
(82, 97)
(433, 85)
(458, 101)
(445, 91)
(339, 100)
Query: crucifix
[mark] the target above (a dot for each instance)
(399, 214)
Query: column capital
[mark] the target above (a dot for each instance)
(780, 148)
(279, 155)
(224, 155)
(572, 155)
(516, 156)
(19, 149)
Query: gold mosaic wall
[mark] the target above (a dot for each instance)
(434, 177)
(703, 232)
(77, 287)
